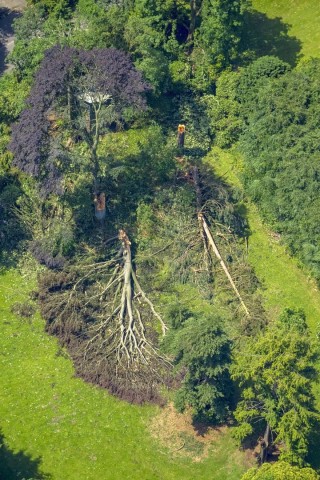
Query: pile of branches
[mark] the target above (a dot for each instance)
(109, 325)
(198, 237)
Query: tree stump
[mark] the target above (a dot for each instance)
(100, 205)
(181, 135)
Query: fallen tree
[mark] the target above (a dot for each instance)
(108, 322)
(122, 332)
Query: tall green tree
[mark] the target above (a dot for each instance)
(196, 38)
(281, 148)
(203, 351)
(221, 30)
(276, 372)
(58, 7)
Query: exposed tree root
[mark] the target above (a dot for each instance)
(121, 334)
(109, 324)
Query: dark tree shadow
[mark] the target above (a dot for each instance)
(195, 152)
(269, 36)
(7, 18)
(12, 229)
(15, 466)
(7, 260)
(313, 455)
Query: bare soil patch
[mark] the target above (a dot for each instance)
(9, 11)
(176, 432)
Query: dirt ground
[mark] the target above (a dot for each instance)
(175, 431)
(13, 4)
(9, 10)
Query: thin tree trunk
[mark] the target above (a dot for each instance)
(264, 445)
(193, 18)
(222, 263)
(94, 146)
(69, 96)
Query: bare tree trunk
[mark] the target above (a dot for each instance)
(222, 263)
(194, 13)
(264, 445)
(69, 96)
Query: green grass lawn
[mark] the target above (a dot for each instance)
(302, 17)
(73, 430)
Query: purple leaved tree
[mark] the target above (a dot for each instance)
(88, 90)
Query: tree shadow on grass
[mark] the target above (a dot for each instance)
(13, 231)
(314, 456)
(8, 260)
(269, 36)
(15, 466)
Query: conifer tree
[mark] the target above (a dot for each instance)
(276, 372)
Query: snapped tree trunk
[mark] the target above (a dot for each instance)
(207, 237)
(222, 263)
(196, 181)
(264, 445)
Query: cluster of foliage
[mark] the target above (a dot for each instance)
(272, 112)
(174, 43)
(12, 231)
(280, 471)
(197, 341)
(202, 348)
(276, 374)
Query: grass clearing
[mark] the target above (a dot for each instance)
(302, 16)
(176, 432)
(75, 431)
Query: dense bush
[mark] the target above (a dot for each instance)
(281, 148)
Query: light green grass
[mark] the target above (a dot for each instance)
(283, 282)
(77, 431)
(302, 16)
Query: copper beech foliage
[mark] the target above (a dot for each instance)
(105, 71)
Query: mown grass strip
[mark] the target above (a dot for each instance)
(77, 431)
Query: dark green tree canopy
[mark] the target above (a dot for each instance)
(202, 349)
